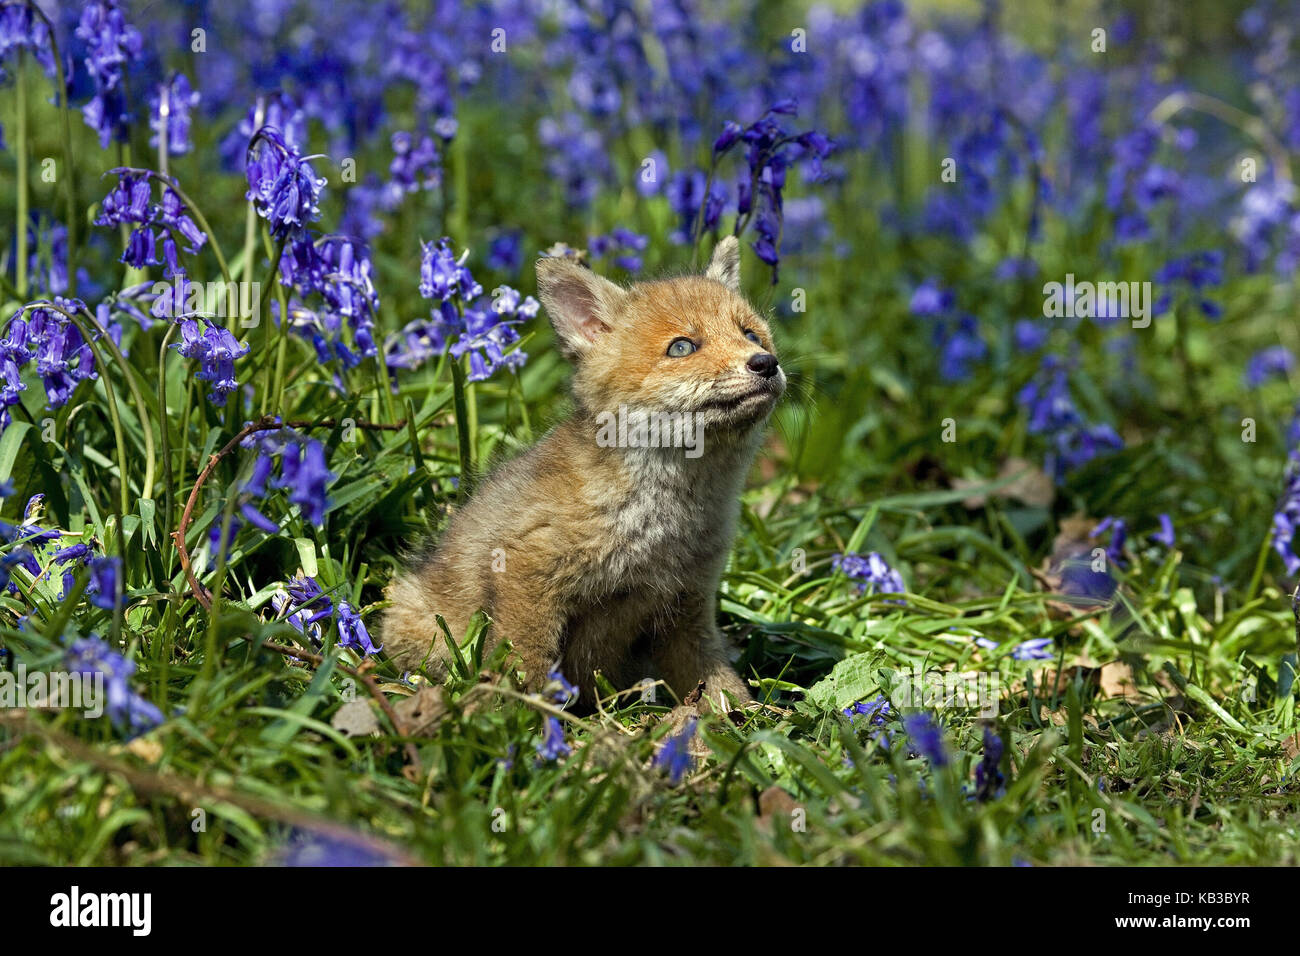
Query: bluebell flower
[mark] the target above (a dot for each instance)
(1029, 335)
(504, 253)
(926, 738)
(1286, 519)
(111, 45)
(1034, 649)
(1275, 361)
(623, 245)
(308, 849)
(216, 348)
(552, 746)
(674, 755)
(282, 185)
(1190, 276)
(307, 597)
(1118, 536)
(988, 772)
(876, 710)
(1052, 413)
(1165, 535)
(929, 300)
(416, 165)
(128, 711)
(872, 571)
(959, 345)
(303, 471)
(352, 632)
(558, 689)
(278, 110)
(180, 98)
(102, 589)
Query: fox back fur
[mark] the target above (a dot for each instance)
(598, 552)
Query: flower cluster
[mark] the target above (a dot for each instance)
(131, 203)
(1286, 519)
(623, 246)
(111, 45)
(305, 606)
(62, 356)
(336, 270)
(282, 185)
(303, 472)
(674, 756)
(988, 772)
(770, 151)
(216, 348)
(128, 711)
(462, 318)
(1052, 413)
(956, 334)
(169, 111)
(926, 738)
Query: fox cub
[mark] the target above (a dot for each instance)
(601, 547)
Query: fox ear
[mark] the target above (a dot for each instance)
(725, 264)
(581, 304)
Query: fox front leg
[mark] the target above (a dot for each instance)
(691, 649)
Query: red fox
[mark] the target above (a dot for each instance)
(600, 549)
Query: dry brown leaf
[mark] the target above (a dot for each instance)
(419, 714)
(356, 718)
(775, 802)
(1117, 681)
(1032, 486)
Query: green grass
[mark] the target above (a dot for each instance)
(1192, 761)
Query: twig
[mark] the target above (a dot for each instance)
(412, 754)
(143, 781)
(265, 423)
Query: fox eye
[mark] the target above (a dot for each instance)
(753, 336)
(680, 347)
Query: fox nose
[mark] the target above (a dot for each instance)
(762, 363)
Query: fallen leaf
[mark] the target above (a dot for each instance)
(419, 714)
(356, 718)
(1032, 486)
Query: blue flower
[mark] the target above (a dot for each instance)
(352, 632)
(1118, 536)
(1276, 361)
(870, 571)
(281, 184)
(303, 471)
(674, 756)
(111, 44)
(179, 98)
(876, 710)
(1052, 413)
(552, 746)
(926, 738)
(930, 301)
(1165, 535)
(128, 711)
(1035, 649)
(558, 689)
(1286, 519)
(988, 773)
(216, 348)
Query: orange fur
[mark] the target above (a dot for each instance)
(612, 555)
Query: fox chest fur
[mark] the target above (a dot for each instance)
(603, 557)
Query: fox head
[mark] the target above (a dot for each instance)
(685, 345)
